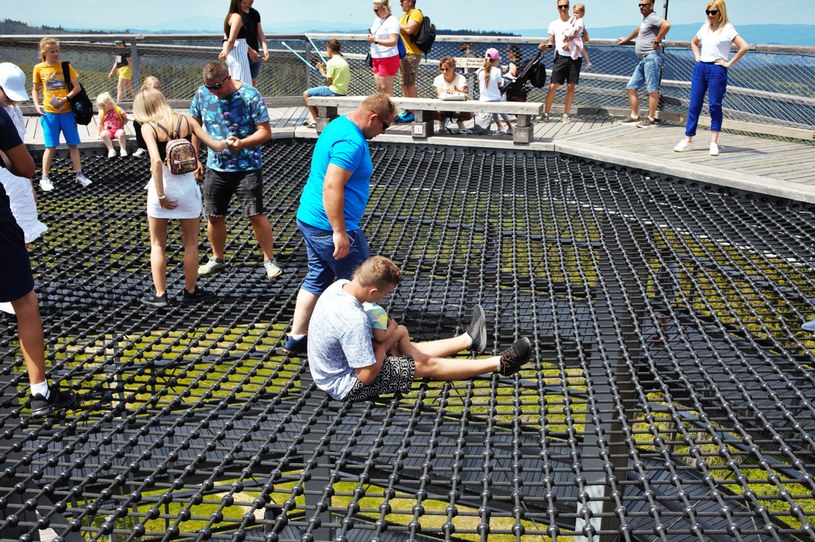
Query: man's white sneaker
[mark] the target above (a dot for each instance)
(46, 184)
(682, 146)
(82, 180)
(111, 153)
(272, 270)
(714, 149)
(123, 153)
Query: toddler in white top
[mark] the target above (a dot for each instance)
(573, 35)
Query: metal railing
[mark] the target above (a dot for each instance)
(772, 85)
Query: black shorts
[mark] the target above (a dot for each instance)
(396, 376)
(16, 279)
(220, 186)
(566, 70)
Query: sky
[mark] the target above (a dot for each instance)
(457, 14)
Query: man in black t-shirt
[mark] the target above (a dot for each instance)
(17, 282)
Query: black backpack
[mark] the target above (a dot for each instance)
(80, 104)
(425, 36)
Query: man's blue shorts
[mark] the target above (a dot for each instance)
(54, 123)
(647, 73)
(323, 269)
(321, 91)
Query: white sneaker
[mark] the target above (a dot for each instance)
(82, 180)
(111, 153)
(714, 149)
(7, 308)
(460, 125)
(46, 184)
(272, 270)
(565, 118)
(123, 153)
(211, 267)
(138, 153)
(682, 146)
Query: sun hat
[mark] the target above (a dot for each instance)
(12, 79)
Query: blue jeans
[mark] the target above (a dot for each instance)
(647, 73)
(711, 79)
(323, 269)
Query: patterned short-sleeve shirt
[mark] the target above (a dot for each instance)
(236, 115)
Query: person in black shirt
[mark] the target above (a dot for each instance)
(17, 282)
(255, 38)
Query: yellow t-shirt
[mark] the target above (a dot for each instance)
(52, 83)
(412, 15)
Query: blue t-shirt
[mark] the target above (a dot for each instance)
(343, 144)
(238, 114)
(9, 138)
(339, 340)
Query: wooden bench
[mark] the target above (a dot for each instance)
(423, 109)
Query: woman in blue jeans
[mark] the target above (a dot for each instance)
(711, 47)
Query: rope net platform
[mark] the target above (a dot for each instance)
(670, 397)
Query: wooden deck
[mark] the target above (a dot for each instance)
(759, 164)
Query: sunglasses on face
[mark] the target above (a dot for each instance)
(385, 125)
(563, 6)
(217, 86)
(712, 11)
(644, 5)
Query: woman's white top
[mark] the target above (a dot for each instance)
(716, 44)
(382, 30)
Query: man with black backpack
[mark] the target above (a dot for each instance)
(409, 23)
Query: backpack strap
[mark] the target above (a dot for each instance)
(66, 74)
(178, 126)
(162, 128)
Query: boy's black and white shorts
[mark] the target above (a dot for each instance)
(396, 376)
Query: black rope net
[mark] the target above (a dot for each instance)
(670, 398)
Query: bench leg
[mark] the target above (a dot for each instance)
(522, 135)
(325, 114)
(422, 127)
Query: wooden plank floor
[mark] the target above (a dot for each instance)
(765, 165)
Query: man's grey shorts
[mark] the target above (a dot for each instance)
(219, 186)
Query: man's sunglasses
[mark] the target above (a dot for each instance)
(563, 6)
(217, 86)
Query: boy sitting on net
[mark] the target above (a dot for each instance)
(345, 364)
(385, 329)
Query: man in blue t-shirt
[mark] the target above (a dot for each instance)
(17, 282)
(332, 204)
(235, 112)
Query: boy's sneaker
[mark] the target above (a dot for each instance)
(196, 297)
(565, 118)
(630, 120)
(57, 400)
(513, 358)
(477, 330)
(123, 153)
(293, 347)
(82, 180)
(272, 270)
(111, 153)
(45, 184)
(213, 266)
(646, 123)
(155, 300)
(138, 153)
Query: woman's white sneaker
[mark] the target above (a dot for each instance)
(682, 146)
(714, 149)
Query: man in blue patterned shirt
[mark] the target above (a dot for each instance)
(233, 110)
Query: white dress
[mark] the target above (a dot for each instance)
(237, 62)
(183, 189)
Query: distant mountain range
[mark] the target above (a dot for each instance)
(790, 34)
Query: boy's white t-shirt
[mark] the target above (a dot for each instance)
(716, 45)
(491, 92)
(459, 81)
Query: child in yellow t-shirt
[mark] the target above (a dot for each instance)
(55, 110)
(123, 65)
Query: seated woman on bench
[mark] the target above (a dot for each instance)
(451, 85)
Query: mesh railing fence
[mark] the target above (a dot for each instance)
(770, 85)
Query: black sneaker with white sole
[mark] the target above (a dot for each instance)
(155, 300)
(477, 330)
(57, 400)
(196, 297)
(514, 357)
